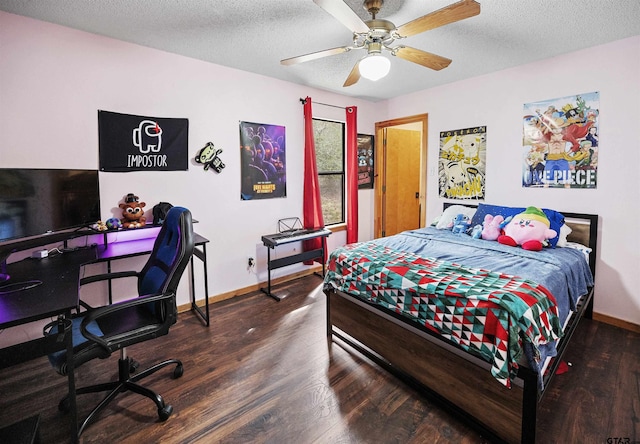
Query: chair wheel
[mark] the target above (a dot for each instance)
(179, 371)
(133, 365)
(165, 412)
(64, 405)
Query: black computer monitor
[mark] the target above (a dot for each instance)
(35, 202)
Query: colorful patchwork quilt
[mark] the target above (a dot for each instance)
(489, 314)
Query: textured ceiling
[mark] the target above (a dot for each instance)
(254, 35)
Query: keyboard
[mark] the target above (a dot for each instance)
(284, 237)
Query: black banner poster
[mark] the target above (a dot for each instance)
(138, 143)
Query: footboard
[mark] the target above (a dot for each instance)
(460, 381)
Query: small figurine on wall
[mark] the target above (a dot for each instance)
(208, 156)
(132, 212)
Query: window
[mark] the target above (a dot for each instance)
(330, 154)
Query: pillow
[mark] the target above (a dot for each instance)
(445, 221)
(565, 230)
(556, 220)
(494, 210)
(582, 248)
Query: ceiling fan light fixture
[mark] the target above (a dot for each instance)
(374, 66)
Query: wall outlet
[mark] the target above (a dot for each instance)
(251, 262)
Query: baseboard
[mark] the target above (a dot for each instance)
(246, 290)
(616, 322)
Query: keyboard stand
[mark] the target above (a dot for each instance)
(295, 258)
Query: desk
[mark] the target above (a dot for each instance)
(56, 295)
(111, 251)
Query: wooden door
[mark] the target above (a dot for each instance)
(400, 172)
(401, 194)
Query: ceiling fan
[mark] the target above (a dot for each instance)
(376, 35)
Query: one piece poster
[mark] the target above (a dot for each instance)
(365, 161)
(462, 163)
(561, 142)
(262, 161)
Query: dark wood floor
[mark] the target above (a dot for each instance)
(263, 373)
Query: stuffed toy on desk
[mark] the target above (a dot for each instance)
(529, 230)
(132, 212)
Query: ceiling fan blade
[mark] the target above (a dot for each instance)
(449, 14)
(315, 55)
(420, 57)
(354, 75)
(344, 14)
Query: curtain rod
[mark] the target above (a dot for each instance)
(303, 101)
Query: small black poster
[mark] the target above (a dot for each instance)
(140, 143)
(365, 161)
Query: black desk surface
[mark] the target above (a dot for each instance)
(58, 293)
(60, 277)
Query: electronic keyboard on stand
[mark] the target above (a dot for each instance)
(292, 233)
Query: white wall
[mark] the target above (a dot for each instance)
(497, 100)
(53, 80)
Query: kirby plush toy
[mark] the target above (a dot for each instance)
(529, 230)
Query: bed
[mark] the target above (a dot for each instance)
(425, 305)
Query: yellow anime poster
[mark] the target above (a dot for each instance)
(560, 142)
(462, 163)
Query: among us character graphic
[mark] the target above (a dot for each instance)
(147, 137)
(208, 156)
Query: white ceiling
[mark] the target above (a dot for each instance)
(254, 35)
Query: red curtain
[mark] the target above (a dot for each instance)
(311, 205)
(352, 174)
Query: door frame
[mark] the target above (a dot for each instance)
(380, 167)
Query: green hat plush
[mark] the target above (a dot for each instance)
(534, 213)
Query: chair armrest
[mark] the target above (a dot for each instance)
(108, 276)
(97, 313)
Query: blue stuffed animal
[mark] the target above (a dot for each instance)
(460, 224)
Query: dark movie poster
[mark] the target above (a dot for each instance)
(139, 143)
(365, 161)
(262, 161)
